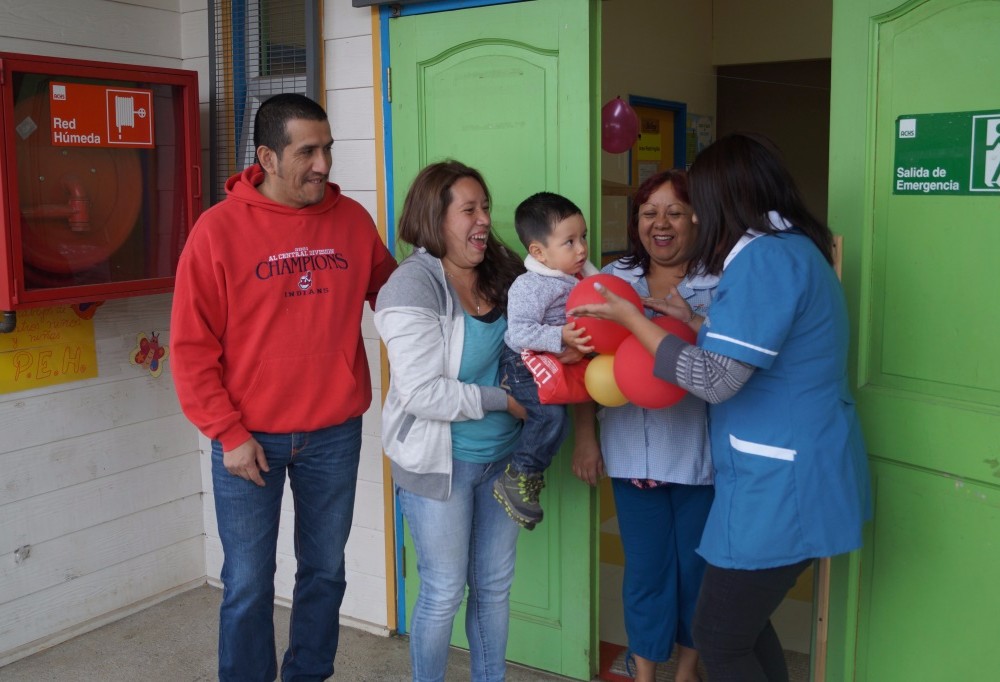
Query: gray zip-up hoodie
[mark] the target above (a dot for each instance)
(536, 307)
(421, 322)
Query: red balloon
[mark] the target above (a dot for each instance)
(605, 335)
(619, 126)
(633, 370)
(677, 328)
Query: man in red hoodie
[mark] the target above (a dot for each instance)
(269, 363)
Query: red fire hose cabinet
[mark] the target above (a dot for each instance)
(100, 179)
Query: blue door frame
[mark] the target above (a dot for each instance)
(680, 127)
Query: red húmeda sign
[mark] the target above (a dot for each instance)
(100, 116)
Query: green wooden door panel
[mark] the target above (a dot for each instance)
(508, 89)
(920, 283)
(931, 598)
(932, 255)
(505, 89)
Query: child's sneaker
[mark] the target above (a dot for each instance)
(518, 493)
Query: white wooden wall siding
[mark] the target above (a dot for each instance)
(194, 56)
(138, 32)
(350, 101)
(100, 477)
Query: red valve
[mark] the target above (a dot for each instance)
(76, 212)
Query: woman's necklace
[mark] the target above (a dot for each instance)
(468, 286)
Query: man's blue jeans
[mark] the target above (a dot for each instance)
(466, 539)
(546, 426)
(322, 468)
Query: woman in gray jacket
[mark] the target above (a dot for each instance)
(447, 426)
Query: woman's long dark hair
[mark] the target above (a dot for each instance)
(421, 224)
(734, 183)
(637, 255)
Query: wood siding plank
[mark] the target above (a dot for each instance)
(354, 165)
(43, 615)
(125, 28)
(349, 63)
(67, 510)
(51, 466)
(27, 423)
(90, 550)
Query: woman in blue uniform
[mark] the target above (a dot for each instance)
(791, 478)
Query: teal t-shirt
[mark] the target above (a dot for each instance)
(491, 438)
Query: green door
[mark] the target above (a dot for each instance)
(509, 89)
(913, 86)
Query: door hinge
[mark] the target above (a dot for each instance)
(1, 72)
(388, 84)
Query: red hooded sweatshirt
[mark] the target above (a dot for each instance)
(266, 321)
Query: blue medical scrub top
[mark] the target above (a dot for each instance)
(791, 473)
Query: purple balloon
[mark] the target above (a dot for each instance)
(619, 126)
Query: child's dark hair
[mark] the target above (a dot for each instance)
(537, 216)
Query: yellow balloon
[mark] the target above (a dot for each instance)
(600, 382)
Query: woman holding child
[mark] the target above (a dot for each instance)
(658, 460)
(447, 425)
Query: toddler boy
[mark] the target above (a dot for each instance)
(554, 232)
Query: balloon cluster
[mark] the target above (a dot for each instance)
(623, 370)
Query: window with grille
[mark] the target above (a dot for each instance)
(259, 48)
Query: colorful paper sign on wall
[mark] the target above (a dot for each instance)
(650, 147)
(100, 116)
(700, 134)
(149, 353)
(951, 153)
(49, 346)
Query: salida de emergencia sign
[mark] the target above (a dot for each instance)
(950, 153)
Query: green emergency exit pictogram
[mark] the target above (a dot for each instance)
(948, 153)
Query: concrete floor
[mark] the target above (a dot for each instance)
(175, 641)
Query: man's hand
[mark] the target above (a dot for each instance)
(246, 461)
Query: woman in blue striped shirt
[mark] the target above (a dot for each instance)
(658, 460)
